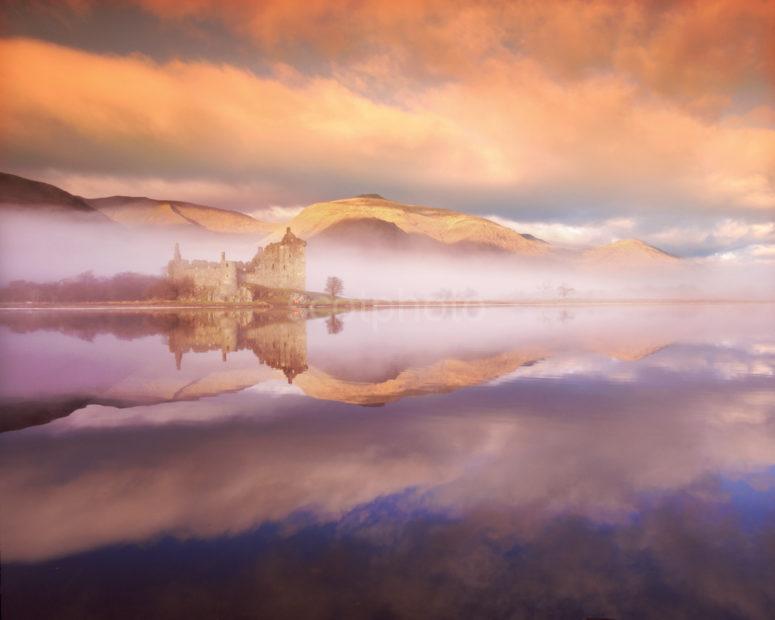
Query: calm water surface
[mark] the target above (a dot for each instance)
(578, 462)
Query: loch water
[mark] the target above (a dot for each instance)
(587, 461)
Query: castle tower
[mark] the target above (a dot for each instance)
(174, 266)
(293, 260)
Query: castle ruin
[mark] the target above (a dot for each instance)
(278, 340)
(278, 265)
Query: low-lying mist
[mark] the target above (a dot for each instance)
(490, 276)
(48, 247)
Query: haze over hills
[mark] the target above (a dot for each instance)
(368, 221)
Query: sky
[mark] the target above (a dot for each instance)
(578, 121)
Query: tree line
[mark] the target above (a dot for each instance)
(127, 286)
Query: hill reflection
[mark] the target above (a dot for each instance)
(137, 357)
(526, 463)
(277, 340)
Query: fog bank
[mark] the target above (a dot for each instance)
(45, 247)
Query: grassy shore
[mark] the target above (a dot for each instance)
(325, 302)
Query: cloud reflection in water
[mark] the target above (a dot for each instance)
(603, 482)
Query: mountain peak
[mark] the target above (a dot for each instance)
(628, 251)
(447, 227)
(631, 243)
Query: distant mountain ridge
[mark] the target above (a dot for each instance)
(363, 222)
(128, 211)
(628, 251)
(18, 192)
(141, 212)
(441, 225)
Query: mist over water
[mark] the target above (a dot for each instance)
(49, 247)
(489, 276)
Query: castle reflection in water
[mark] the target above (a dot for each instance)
(278, 340)
(595, 461)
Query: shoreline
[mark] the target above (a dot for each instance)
(370, 305)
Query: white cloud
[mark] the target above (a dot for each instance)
(754, 253)
(566, 234)
(726, 240)
(276, 213)
(276, 387)
(720, 236)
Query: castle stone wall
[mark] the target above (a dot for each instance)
(279, 265)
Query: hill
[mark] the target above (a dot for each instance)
(443, 226)
(140, 212)
(25, 194)
(363, 223)
(365, 234)
(628, 252)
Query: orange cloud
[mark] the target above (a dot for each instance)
(698, 52)
(510, 126)
(197, 116)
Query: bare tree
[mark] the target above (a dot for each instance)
(334, 286)
(334, 324)
(564, 290)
